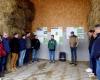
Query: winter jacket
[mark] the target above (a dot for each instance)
(6, 44)
(28, 43)
(52, 45)
(91, 41)
(2, 50)
(96, 48)
(36, 44)
(73, 41)
(22, 44)
(14, 45)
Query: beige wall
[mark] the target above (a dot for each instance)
(64, 13)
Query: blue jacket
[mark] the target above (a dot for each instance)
(6, 44)
(96, 48)
(22, 44)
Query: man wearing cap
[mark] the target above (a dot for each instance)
(73, 41)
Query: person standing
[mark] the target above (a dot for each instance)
(92, 38)
(14, 51)
(22, 48)
(2, 58)
(6, 44)
(52, 47)
(28, 47)
(96, 50)
(73, 41)
(36, 47)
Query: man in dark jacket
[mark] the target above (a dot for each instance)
(96, 50)
(92, 37)
(28, 48)
(6, 44)
(22, 47)
(36, 47)
(15, 51)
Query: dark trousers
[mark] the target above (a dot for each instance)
(93, 65)
(2, 65)
(27, 56)
(6, 60)
(73, 55)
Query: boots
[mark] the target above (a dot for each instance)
(1, 74)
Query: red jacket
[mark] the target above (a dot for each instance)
(2, 50)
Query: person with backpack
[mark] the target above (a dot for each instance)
(2, 58)
(52, 47)
(73, 41)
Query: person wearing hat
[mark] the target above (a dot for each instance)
(73, 41)
(96, 50)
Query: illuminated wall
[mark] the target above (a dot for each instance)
(63, 13)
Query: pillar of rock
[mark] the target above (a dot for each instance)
(94, 16)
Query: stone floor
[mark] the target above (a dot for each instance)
(44, 70)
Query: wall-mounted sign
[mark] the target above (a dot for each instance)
(79, 31)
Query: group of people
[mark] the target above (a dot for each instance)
(16, 51)
(94, 50)
(19, 50)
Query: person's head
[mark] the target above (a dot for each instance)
(5, 35)
(0, 38)
(72, 33)
(35, 36)
(52, 36)
(91, 33)
(97, 28)
(94, 35)
(28, 34)
(16, 35)
(23, 36)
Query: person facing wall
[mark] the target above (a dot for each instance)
(73, 41)
(52, 47)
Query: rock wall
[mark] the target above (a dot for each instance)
(94, 16)
(16, 16)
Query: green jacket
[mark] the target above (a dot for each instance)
(52, 44)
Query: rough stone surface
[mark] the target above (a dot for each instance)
(94, 16)
(16, 15)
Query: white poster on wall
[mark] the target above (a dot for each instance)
(58, 33)
(78, 31)
(42, 34)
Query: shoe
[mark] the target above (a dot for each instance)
(1, 74)
(75, 64)
(71, 63)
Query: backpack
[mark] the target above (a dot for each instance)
(62, 56)
(2, 50)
